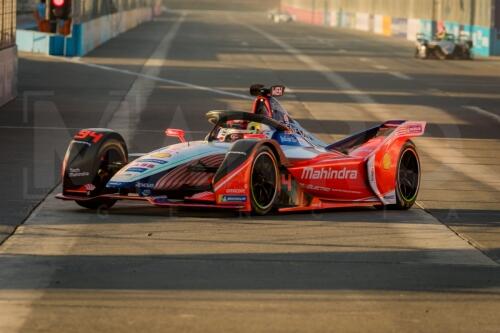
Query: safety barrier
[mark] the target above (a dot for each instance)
(84, 36)
(482, 37)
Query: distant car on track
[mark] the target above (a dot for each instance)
(251, 162)
(278, 16)
(447, 47)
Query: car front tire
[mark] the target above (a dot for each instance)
(264, 181)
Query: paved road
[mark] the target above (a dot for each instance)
(144, 269)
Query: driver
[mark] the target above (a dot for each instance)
(441, 35)
(236, 130)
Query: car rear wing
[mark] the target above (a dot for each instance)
(406, 128)
(402, 129)
(398, 128)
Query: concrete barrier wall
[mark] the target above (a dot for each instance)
(233, 5)
(96, 32)
(404, 19)
(84, 36)
(8, 74)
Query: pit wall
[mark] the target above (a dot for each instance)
(484, 38)
(8, 74)
(84, 36)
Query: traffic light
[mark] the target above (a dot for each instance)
(60, 9)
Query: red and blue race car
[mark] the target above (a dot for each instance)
(255, 161)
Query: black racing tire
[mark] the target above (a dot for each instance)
(111, 153)
(408, 176)
(264, 181)
(468, 55)
(439, 53)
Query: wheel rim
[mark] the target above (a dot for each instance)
(104, 174)
(408, 175)
(264, 180)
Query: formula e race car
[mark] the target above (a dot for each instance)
(446, 47)
(251, 162)
(278, 16)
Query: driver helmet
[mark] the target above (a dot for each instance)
(236, 130)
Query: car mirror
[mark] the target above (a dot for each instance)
(178, 133)
(256, 89)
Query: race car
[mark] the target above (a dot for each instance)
(252, 162)
(444, 47)
(278, 16)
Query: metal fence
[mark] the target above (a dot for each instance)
(7, 23)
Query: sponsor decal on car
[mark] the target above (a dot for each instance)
(144, 165)
(235, 190)
(161, 155)
(386, 161)
(329, 173)
(145, 192)
(88, 135)
(233, 198)
(416, 128)
(144, 185)
(76, 172)
(89, 187)
(287, 139)
(138, 170)
(153, 160)
(311, 187)
(115, 184)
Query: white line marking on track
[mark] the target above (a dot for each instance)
(148, 76)
(127, 115)
(364, 59)
(159, 79)
(54, 128)
(401, 76)
(381, 67)
(483, 112)
(334, 78)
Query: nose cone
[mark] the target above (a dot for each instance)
(163, 160)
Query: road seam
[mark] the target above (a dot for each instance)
(471, 242)
(31, 213)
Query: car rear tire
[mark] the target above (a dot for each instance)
(112, 155)
(439, 53)
(264, 181)
(407, 177)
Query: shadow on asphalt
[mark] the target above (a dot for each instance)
(376, 270)
(129, 210)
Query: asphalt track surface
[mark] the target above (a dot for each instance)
(433, 268)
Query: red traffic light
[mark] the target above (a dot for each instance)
(58, 3)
